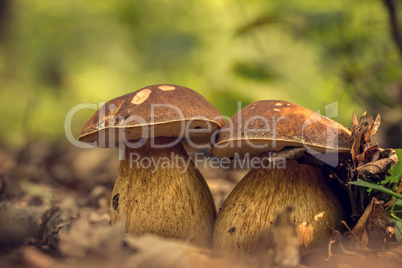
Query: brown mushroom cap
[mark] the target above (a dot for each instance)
(271, 125)
(153, 111)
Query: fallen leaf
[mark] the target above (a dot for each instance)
(278, 245)
(371, 229)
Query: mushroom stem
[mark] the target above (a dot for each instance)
(254, 203)
(159, 191)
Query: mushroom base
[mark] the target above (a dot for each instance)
(254, 203)
(159, 191)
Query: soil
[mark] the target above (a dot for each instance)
(54, 212)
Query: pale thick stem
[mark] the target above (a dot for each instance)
(262, 194)
(159, 191)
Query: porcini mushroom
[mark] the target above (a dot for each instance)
(158, 190)
(258, 130)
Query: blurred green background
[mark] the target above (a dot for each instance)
(57, 54)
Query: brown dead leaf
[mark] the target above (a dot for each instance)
(388, 159)
(361, 135)
(372, 228)
(278, 246)
(355, 120)
(376, 125)
(369, 160)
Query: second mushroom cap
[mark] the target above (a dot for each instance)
(271, 125)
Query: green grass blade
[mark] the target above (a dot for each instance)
(375, 186)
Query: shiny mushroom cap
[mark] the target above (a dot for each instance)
(153, 111)
(271, 125)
